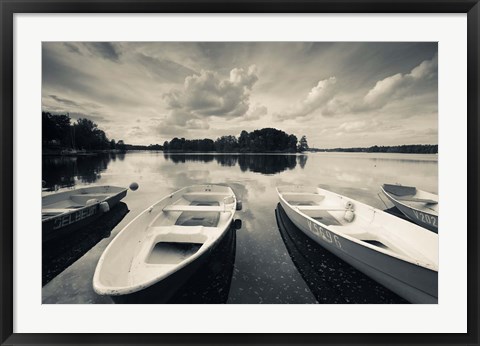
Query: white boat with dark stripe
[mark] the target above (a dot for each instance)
(419, 206)
(67, 211)
(396, 253)
(160, 249)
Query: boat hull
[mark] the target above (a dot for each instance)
(162, 291)
(330, 279)
(421, 218)
(412, 282)
(64, 225)
(159, 250)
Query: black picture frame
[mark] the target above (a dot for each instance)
(10, 7)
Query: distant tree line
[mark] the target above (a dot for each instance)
(154, 147)
(58, 132)
(266, 140)
(404, 149)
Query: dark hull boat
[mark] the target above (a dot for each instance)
(68, 211)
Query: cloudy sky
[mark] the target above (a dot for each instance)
(337, 94)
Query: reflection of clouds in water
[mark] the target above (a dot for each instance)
(348, 177)
(189, 177)
(240, 190)
(263, 270)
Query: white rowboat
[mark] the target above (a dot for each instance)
(68, 211)
(396, 253)
(161, 248)
(419, 206)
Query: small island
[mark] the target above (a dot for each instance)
(266, 140)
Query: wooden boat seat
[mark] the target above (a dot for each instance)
(193, 208)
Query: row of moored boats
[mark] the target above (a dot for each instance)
(163, 246)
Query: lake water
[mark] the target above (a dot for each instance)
(259, 263)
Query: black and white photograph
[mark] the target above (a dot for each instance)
(239, 172)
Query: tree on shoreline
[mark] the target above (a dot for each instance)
(58, 132)
(88, 136)
(56, 129)
(303, 144)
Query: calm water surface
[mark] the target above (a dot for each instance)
(260, 263)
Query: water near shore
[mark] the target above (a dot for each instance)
(255, 265)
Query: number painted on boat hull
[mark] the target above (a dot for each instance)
(425, 218)
(323, 233)
(74, 217)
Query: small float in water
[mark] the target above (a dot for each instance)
(156, 253)
(396, 253)
(68, 211)
(419, 206)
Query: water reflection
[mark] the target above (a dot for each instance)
(61, 171)
(302, 160)
(59, 254)
(263, 271)
(211, 283)
(258, 163)
(329, 278)
(182, 158)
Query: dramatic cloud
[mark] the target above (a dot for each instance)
(209, 95)
(402, 85)
(206, 95)
(328, 102)
(149, 92)
(336, 106)
(255, 113)
(316, 99)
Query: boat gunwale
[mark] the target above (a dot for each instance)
(101, 289)
(356, 240)
(408, 205)
(74, 210)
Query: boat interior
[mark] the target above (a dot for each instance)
(67, 201)
(411, 195)
(361, 222)
(317, 207)
(170, 232)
